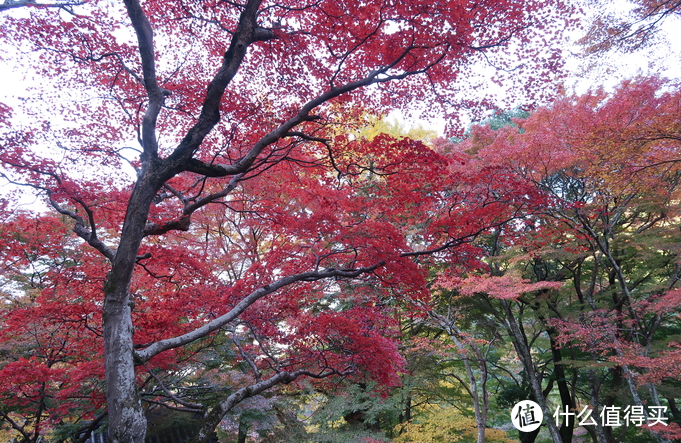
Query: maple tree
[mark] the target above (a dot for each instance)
(607, 228)
(630, 30)
(247, 198)
(51, 361)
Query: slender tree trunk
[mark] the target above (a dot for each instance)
(674, 408)
(243, 430)
(638, 402)
(567, 426)
(480, 396)
(521, 347)
(529, 437)
(407, 409)
(594, 390)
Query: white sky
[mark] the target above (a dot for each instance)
(612, 69)
(609, 70)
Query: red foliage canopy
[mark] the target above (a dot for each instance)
(250, 197)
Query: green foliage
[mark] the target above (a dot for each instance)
(358, 411)
(167, 423)
(498, 120)
(269, 420)
(505, 118)
(511, 394)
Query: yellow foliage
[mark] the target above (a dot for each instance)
(395, 129)
(7, 435)
(447, 426)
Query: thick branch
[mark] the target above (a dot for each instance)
(181, 160)
(173, 397)
(145, 39)
(10, 4)
(215, 416)
(247, 33)
(90, 236)
(14, 425)
(185, 220)
(245, 356)
(175, 342)
(87, 431)
(284, 130)
(176, 225)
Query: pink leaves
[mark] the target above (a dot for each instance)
(509, 286)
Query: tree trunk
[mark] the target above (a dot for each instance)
(567, 426)
(594, 388)
(529, 437)
(127, 422)
(243, 430)
(523, 351)
(480, 397)
(673, 408)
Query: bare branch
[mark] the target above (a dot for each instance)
(174, 397)
(185, 220)
(87, 431)
(14, 425)
(215, 416)
(247, 33)
(156, 94)
(11, 4)
(179, 163)
(249, 360)
(90, 236)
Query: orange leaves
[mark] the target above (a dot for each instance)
(628, 140)
(662, 366)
